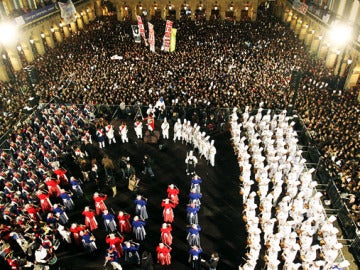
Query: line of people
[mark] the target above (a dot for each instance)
(289, 221)
(188, 134)
(163, 250)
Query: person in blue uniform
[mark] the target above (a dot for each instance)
(140, 207)
(193, 236)
(131, 252)
(109, 221)
(139, 228)
(192, 213)
(195, 257)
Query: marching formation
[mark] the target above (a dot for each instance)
(290, 221)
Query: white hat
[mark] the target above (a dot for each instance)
(332, 218)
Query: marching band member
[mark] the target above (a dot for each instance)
(191, 162)
(194, 197)
(76, 187)
(44, 201)
(65, 233)
(116, 242)
(177, 130)
(195, 257)
(163, 254)
(138, 228)
(123, 131)
(53, 187)
(124, 222)
(75, 229)
(112, 258)
(88, 240)
(67, 199)
(165, 129)
(212, 153)
(90, 220)
(109, 221)
(150, 122)
(99, 200)
(110, 133)
(168, 212)
(100, 137)
(192, 213)
(193, 236)
(131, 252)
(195, 183)
(166, 236)
(140, 207)
(138, 127)
(59, 211)
(173, 194)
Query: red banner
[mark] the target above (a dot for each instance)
(167, 36)
(151, 37)
(142, 29)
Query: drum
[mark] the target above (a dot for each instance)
(133, 183)
(52, 260)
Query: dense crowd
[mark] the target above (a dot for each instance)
(215, 65)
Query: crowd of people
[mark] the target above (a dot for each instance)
(216, 66)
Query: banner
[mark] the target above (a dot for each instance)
(35, 14)
(151, 37)
(173, 39)
(136, 33)
(166, 43)
(142, 29)
(67, 11)
(300, 6)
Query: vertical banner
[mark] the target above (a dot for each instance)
(173, 39)
(67, 12)
(142, 29)
(168, 27)
(151, 37)
(136, 33)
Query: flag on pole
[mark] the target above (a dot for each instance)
(173, 39)
(142, 29)
(136, 33)
(166, 40)
(151, 37)
(67, 11)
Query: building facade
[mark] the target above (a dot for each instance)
(40, 27)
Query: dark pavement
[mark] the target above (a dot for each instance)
(223, 229)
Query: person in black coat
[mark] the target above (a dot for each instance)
(147, 261)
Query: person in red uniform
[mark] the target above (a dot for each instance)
(163, 254)
(75, 229)
(61, 176)
(90, 220)
(53, 187)
(13, 263)
(45, 203)
(168, 212)
(115, 242)
(150, 122)
(124, 222)
(173, 194)
(32, 211)
(99, 200)
(166, 236)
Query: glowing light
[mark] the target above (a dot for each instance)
(340, 34)
(9, 33)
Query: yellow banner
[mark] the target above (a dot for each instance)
(173, 39)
